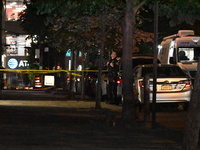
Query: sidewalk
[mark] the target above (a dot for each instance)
(77, 125)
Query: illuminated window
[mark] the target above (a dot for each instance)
(13, 8)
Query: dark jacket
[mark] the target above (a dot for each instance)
(113, 70)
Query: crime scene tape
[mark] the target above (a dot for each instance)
(31, 71)
(73, 73)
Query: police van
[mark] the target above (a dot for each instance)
(182, 49)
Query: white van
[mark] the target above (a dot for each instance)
(182, 49)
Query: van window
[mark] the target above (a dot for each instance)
(188, 54)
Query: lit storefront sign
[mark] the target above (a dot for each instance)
(49, 80)
(12, 63)
(17, 62)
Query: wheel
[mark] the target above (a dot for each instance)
(104, 98)
(186, 106)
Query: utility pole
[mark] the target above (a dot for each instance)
(155, 62)
(1, 30)
(2, 27)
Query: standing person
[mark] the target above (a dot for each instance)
(113, 70)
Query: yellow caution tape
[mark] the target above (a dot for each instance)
(31, 71)
(49, 71)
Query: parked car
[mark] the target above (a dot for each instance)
(92, 75)
(91, 83)
(173, 85)
(136, 60)
(142, 60)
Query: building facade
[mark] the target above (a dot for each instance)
(14, 43)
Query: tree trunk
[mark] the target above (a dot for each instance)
(98, 94)
(191, 135)
(128, 113)
(72, 82)
(83, 75)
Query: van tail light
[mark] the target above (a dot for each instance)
(141, 84)
(119, 81)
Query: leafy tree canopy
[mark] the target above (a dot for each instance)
(180, 11)
(77, 23)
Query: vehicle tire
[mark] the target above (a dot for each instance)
(104, 98)
(120, 99)
(138, 105)
(186, 106)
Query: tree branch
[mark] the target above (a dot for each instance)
(136, 7)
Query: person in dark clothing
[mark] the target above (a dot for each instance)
(182, 56)
(113, 70)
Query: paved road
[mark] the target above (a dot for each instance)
(58, 124)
